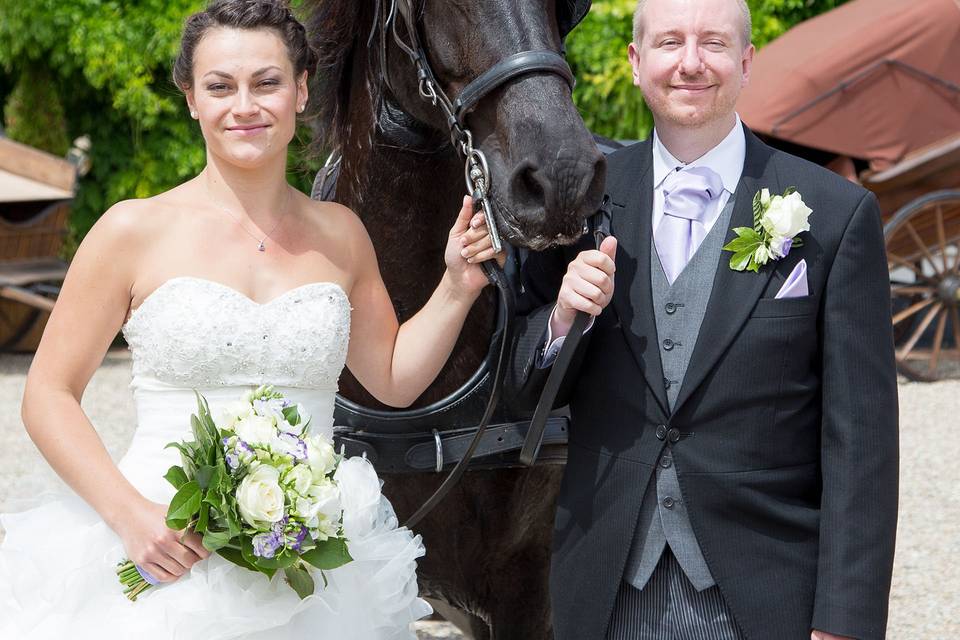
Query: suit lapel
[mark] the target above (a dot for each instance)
(734, 293)
(631, 193)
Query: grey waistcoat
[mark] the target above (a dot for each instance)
(679, 309)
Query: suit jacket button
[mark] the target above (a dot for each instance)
(668, 502)
(668, 344)
(671, 308)
(673, 435)
(661, 432)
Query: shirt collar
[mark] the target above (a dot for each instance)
(726, 158)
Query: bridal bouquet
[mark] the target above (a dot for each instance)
(260, 490)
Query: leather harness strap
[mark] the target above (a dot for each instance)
(600, 222)
(434, 451)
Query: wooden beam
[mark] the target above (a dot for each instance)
(34, 164)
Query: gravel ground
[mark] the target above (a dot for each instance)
(925, 602)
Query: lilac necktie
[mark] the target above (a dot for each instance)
(686, 197)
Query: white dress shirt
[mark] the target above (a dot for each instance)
(726, 159)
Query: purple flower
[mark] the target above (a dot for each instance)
(265, 545)
(294, 541)
(280, 525)
(787, 244)
(295, 446)
(243, 447)
(233, 460)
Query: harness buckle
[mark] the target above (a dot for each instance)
(439, 445)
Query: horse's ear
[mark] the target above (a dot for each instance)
(570, 13)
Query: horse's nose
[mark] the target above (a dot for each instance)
(558, 185)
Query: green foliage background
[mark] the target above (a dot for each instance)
(102, 68)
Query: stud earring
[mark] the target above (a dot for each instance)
(193, 114)
(300, 108)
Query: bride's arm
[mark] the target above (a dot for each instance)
(396, 362)
(91, 307)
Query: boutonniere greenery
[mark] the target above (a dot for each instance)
(777, 221)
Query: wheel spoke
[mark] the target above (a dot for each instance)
(912, 309)
(942, 236)
(910, 290)
(919, 242)
(937, 342)
(912, 342)
(906, 263)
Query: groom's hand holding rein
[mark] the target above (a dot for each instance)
(587, 286)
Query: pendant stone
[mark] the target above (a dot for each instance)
(260, 246)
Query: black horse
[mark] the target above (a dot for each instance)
(488, 544)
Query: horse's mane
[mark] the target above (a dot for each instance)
(340, 31)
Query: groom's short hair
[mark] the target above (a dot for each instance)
(745, 34)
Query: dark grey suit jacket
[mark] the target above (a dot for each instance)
(788, 411)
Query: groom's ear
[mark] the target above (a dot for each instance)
(746, 63)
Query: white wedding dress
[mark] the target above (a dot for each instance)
(57, 563)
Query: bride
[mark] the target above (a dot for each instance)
(227, 281)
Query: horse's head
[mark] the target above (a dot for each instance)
(546, 171)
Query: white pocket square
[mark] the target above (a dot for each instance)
(796, 284)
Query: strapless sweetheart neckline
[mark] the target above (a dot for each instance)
(320, 283)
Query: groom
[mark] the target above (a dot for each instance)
(733, 454)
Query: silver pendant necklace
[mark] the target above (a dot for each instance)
(260, 241)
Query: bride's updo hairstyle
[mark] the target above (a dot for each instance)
(244, 14)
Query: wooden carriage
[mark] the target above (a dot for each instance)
(36, 190)
(920, 199)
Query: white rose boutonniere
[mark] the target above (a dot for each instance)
(777, 221)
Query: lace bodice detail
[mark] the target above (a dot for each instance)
(192, 333)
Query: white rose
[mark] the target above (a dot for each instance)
(299, 478)
(359, 495)
(786, 217)
(256, 429)
(260, 497)
(230, 413)
(320, 455)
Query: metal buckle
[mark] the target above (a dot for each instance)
(439, 445)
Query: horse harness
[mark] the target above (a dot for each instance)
(385, 437)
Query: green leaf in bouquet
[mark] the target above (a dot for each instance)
(204, 474)
(234, 555)
(300, 580)
(184, 505)
(217, 540)
(203, 517)
(329, 554)
(201, 436)
(176, 476)
(187, 456)
(291, 414)
(282, 560)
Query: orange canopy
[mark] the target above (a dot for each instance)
(871, 79)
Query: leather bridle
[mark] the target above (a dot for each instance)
(401, 21)
(397, 19)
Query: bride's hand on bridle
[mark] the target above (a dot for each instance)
(470, 245)
(162, 552)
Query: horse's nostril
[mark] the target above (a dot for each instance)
(529, 186)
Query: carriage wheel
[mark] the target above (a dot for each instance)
(923, 255)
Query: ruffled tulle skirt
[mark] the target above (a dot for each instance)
(58, 581)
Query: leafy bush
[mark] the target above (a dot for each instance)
(109, 62)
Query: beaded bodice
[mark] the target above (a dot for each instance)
(196, 333)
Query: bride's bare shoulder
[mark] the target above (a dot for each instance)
(138, 219)
(332, 220)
